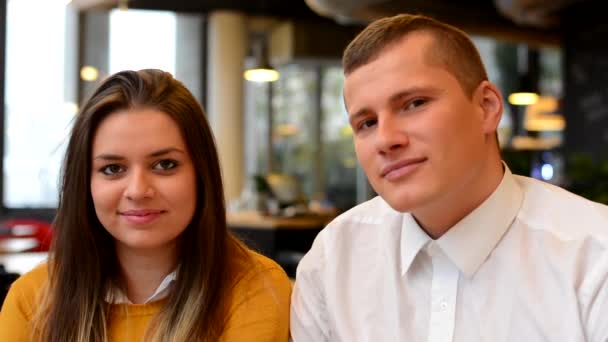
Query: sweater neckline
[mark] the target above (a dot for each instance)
(126, 309)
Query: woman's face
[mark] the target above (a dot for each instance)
(142, 180)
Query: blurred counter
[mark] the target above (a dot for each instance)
(255, 220)
(284, 239)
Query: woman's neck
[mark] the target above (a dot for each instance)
(142, 271)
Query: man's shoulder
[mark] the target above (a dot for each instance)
(364, 226)
(552, 208)
(361, 219)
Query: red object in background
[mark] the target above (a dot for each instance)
(40, 230)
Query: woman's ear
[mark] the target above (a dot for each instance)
(490, 101)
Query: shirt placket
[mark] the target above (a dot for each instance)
(444, 289)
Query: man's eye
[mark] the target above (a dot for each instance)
(415, 103)
(367, 124)
(165, 164)
(112, 169)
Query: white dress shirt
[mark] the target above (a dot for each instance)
(529, 264)
(117, 296)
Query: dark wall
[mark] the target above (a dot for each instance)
(585, 31)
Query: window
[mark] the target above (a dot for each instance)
(257, 121)
(339, 159)
(311, 137)
(142, 39)
(295, 118)
(42, 87)
(40, 99)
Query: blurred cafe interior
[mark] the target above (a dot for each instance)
(284, 140)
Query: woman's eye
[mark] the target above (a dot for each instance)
(165, 164)
(112, 169)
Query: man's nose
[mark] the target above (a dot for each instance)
(391, 135)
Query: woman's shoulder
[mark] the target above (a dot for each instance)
(261, 265)
(258, 272)
(259, 305)
(33, 280)
(263, 262)
(23, 294)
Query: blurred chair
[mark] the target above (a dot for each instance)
(289, 261)
(6, 279)
(26, 235)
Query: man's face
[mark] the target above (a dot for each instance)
(420, 139)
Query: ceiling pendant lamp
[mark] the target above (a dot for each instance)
(527, 90)
(261, 71)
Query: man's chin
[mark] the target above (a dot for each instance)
(398, 203)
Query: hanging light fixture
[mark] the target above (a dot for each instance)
(527, 90)
(525, 94)
(261, 70)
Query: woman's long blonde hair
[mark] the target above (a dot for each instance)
(83, 263)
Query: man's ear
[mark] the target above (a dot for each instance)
(490, 101)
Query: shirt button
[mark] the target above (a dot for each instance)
(443, 306)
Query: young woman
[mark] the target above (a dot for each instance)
(141, 249)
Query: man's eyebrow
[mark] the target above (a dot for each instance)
(392, 99)
(360, 112)
(411, 91)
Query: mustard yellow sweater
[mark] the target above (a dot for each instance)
(259, 310)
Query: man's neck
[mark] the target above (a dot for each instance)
(453, 207)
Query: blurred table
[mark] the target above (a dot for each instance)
(22, 262)
(284, 239)
(271, 234)
(255, 220)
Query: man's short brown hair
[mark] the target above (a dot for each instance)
(452, 48)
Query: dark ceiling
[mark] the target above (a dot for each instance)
(531, 21)
(296, 9)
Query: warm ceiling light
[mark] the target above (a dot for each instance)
(543, 116)
(89, 73)
(261, 70)
(523, 98)
(261, 75)
(556, 123)
(527, 90)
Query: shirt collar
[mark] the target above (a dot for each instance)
(470, 241)
(117, 296)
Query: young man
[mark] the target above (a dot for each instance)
(455, 248)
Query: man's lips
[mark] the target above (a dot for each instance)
(401, 165)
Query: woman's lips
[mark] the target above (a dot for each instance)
(142, 216)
